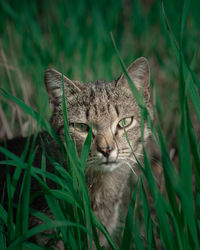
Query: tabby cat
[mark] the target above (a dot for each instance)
(110, 107)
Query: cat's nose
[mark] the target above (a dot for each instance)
(105, 150)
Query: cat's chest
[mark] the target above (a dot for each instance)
(105, 190)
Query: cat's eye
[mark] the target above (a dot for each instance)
(124, 123)
(81, 127)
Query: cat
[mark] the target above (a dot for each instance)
(111, 109)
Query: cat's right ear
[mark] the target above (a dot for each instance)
(54, 85)
(139, 73)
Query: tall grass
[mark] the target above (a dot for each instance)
(175, 219)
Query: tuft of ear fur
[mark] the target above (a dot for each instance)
(54, 85)
(139, 73)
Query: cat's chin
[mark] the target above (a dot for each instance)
(108, 167)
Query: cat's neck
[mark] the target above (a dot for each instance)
(107, 182)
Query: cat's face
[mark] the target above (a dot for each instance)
(109, 107)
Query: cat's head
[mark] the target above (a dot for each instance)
(109, 107)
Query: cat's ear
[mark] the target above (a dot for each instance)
(54, 85)
(139, 73)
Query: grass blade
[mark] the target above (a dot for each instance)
(131, 234)
(86, 149)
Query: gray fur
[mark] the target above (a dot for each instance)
(103, 104)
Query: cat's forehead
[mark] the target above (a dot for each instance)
(102, 99)
(103, 93)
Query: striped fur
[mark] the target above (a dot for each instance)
(103, 104)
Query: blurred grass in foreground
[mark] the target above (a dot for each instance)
(177, 220)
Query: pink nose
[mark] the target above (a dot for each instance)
(105, 150)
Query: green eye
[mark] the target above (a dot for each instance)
(125, 122)
(82, 127)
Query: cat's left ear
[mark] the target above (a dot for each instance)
(139, 73)
(54, 85)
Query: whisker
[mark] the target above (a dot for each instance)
(131, 167)
(128, 158)
(138, 154)
(124, 150)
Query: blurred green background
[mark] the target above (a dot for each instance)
(74, 37)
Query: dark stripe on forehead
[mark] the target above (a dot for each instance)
(117, 110)
(107, 93)
(92, 95)
(87, 113)
(108, 106)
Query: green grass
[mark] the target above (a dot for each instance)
(74, 37)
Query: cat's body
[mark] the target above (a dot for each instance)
(110, 108)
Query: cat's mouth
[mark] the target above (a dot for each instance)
(108, 162)
(104, 164)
